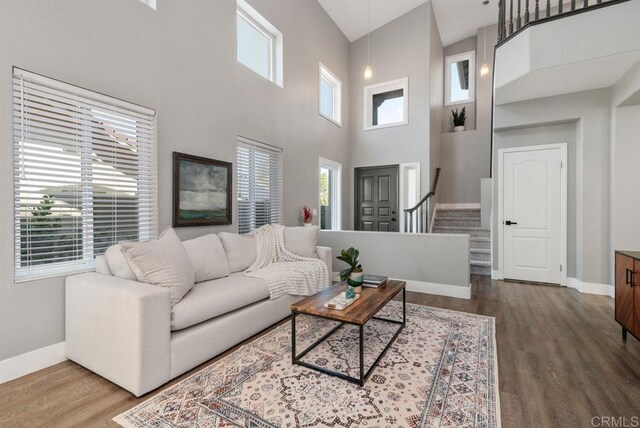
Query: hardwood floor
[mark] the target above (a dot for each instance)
(561, 361)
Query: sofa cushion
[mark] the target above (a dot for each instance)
(162, 262)
(208, 257)
(211, 299)
(240, 249)
(118, 265)
(302, 241)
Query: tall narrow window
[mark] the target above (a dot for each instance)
(84, 174)
(330, 96)
(259, 44)
(330, 198)
(259, 181)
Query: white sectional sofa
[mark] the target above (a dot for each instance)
(130, 333)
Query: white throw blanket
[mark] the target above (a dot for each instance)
(285, 272)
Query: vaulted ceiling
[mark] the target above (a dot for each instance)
(457, 19)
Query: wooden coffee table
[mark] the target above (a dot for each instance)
(371, 301)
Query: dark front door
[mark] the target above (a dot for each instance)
(377, 198)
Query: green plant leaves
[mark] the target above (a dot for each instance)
(351, 257)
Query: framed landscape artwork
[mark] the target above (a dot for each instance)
(201, 191)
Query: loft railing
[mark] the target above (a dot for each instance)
(415, 218)
(515, 15)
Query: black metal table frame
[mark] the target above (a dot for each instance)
(297, 359)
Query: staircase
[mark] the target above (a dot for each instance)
(467, 221)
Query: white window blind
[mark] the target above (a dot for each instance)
(259, 181)
(84, 175)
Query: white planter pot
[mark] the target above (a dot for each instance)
(458, 128)
(357, 277)
(308, 224)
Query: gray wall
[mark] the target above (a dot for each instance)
(180, 60)
(466, 156)
(436, 102)
(625, 195)
(465, 45)
(434, 258)
(398, 49)
(591, 113)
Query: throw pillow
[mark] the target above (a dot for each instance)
(163, 262)
(241, 250)
(118, 264)
(208, 257)
(302, 241)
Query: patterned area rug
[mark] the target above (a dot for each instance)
(440, 372)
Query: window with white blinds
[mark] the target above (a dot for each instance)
(259, 181)
(84, 175)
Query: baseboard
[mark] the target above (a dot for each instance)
(591, 287)
(458, 206)
(21, 365)
(430, 288)
(495, 274)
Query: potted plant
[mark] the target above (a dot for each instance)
(353, 274)
(307, 216)
(459, 119)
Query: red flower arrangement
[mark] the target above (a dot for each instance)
(307, 215)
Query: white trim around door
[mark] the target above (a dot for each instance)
(409, 189)
(563, 205)
(335, 193)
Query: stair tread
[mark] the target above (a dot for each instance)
(446, 210)
(480, 250)
(480, 263)
(480, 239)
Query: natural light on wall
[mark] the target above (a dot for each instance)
(150, 3)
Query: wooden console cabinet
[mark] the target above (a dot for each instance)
(628, 292)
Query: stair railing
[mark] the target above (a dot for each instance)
(420, 210)
(512, 18)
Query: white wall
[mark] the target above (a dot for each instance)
(180, 60)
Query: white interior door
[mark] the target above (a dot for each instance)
(533, 215)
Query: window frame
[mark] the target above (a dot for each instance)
(452, 59)
(257, 146)
(252, 17)
(336, 85)
(335, 193)
(378, 88)
(98, 104)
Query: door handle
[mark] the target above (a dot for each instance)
(629, 277)
(509, 222)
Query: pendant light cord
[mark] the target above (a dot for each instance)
(368, 32)
(486, 3)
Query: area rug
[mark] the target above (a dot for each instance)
(440, 372)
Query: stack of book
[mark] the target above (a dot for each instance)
(374, 281)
